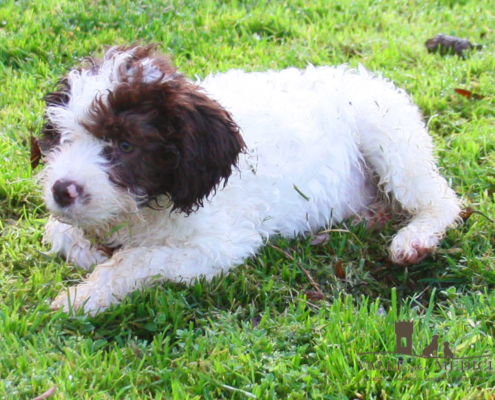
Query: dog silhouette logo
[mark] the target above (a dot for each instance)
(431, 350)
(447, 353)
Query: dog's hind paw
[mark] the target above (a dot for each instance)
(412, 245)
(375, 216)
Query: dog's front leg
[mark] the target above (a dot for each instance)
(135, 268)
(70, 242)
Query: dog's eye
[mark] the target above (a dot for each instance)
(126, 147)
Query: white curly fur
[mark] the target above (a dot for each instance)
(322, 145)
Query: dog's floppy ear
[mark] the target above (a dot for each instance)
(188, 143)
(50, 136)
(204, 139)
(209, 146)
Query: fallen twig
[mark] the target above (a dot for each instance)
(47, 394)
(233, 389)
(311, 280)
(342, 231)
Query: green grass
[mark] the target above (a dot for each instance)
(256, 332)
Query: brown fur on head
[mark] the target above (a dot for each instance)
(50, 136)
(163, 134)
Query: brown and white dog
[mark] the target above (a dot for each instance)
(186, 179)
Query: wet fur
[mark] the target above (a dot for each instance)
(219, 166)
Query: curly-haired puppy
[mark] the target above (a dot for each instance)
(184, 179)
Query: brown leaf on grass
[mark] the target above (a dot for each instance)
(314, 296)
(468, 94)
(339, 270)
(446, 44)
(322, 238)
(47, 394)
(35, 153)
(467, 212)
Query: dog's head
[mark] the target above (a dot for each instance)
(129, 130)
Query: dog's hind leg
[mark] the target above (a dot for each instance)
(397, 147)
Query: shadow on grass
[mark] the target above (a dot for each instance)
(272, 280)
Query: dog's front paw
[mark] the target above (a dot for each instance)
(86, 257)
(87, 296)
(412, 245)
(94, 295)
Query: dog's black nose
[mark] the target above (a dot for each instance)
(66, 192)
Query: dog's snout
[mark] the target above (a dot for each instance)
(65, 192)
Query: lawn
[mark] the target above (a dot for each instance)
(260, 332)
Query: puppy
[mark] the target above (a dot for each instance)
(181, 179)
